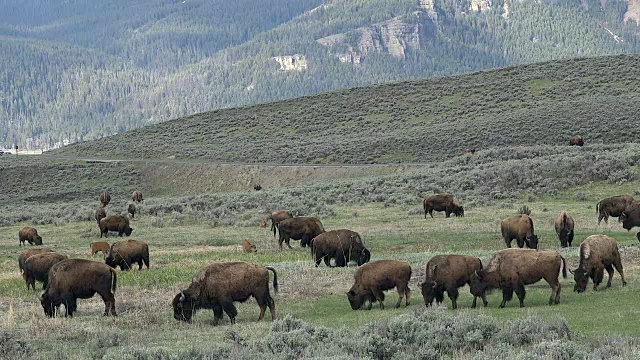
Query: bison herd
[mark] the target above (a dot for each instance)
(220, 284)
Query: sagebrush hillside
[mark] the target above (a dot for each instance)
(414, 121)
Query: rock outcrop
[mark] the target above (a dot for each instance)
(295, 62)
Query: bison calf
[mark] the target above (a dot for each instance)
(442, 202)
(126, 253)
(30, 235)
(131, 209)
(218, 285)
(597, 253)
(372, 279)
(564, 225)
(248, 247)
(448, 273)
(37, 268)
(115, 223)
(520, 228)
(74, 279)
(342, 245)
(25, 254)
(100, 246)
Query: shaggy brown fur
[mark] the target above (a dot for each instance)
(512, 269)
(220, 284)
(373, 278)
(631, 217)
(520, 228)
(115, 223)
(37, 268)
(342, 245)
(100, 214)
(25, 254)
(105, 198)
(126, 253)
(301, 228)
(29, 234)
(448, 273)
(248, 247)
(74, 279)
(100, 246)
(131, 209)
(276, 217)
(597, 253)
(564, 225)
(576, 140)
(612, 206)
(442, 202)
(137, 196)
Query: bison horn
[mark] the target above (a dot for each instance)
(182, 297)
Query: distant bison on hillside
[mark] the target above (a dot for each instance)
(442, 202)
(137, 196)
(612, 206)
(105, 198)
(30, 235)
(576, 140)
(131, 209)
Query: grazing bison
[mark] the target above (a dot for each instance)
(220, 284)
(612, 206)
(115, 223)
(276, 217)
(137, 196)
(342, 245)
(131, 209)
(248, 247)
(630, 217)
(564, 228)
(29, 234)
(100, 214)
(576, 140)
(126, 253)
(597, 253)
(442, 202)
(448, 273)
(37, 268)
(25, 254)
(257, 187)
(100, 246)
(74, 279)
(512, 269)
(520, 228)
(303, 228)
(373, 278)
(105, 198)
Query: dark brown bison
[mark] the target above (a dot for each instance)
(100, 246)
(100, 214)
(105, 198)
(303, 228)
(613, 206)
(512, 269)
(442, 202)
(520, 228)
(448, 273)
(25, 254)
(248, 247)
(276, 217)
(74, 279)
(342, 245)
(372, 279)
(29, 234)
(564, 225)
(576, 140)
(220, 284)
(115, 223)
(630, 217)
(37, 268)
(257, 187)
(131, 209)
(126, 253)
(597, 253)
(137, 196)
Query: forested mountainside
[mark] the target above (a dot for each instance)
(78, 70)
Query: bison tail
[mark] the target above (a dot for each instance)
(114, 280)
(564, 267)
(597, 208)
(275, 278)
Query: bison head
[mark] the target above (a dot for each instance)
(47, 305)
(38, 240)
(532, 241)
(581, 278)
(431, 291)
(110, 260)
(458, 211)
(357, 296)
(364, 257)
(479, 285)
(183, 308)
(128, 231)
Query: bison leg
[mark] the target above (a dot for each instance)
(570, 238)
(146, 260)
(341, 261)
(556, 300)
(447, 213)
(507, 241)
(272, 307)
(618, 265)
(520, 242)
(598, 274)
(452, 292)
(507, 295)
(217, 314)
(609, 269)
(230, 310)
(70, 305)
(378, 295)
(638, 235)
(403, 291)
(439, 296)
(520, 292)
(109, 303)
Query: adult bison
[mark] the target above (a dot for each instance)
(512, 269)
(612, 206)
(630, 217)
(520, 228)
(131, 209)
(276, 217)
(37, 268)
(576, 140)
(105, 198)
(115, 223)
(220, 284)
(74, 279)
(564, 225)
(303, 228)
(137, 196)
(25, 254)
(30, 235)
(597, 253)
(372, 279)
(448, 273)
(126, 253)
(342, 245)
(100, 214)
(442, 202)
